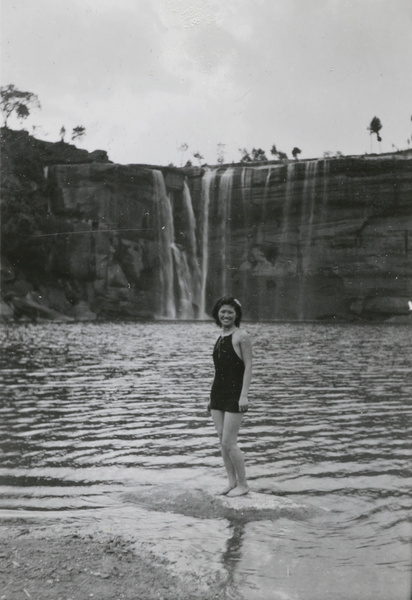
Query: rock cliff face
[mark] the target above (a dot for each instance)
(304, 240)
(315, 239)
(108, 245)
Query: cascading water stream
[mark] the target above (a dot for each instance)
(306, 231)
(195, 268)
(263, 238)
(246, 185)
(263, 217)
(180, 275)
(307, 212)
(166, 306)
(224, 198)
(184, 282)
(284, 266)
(191, 233)
(325, 191)
(193, 278)
(290, 186)
(208, 181)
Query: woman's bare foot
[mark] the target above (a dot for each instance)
(240, 490)
(227, 489)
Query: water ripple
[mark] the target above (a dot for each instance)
(89, 408)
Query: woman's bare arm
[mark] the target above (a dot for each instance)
(244, 343)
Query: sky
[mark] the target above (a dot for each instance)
(145, 77)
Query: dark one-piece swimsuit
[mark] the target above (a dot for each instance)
(228, 381)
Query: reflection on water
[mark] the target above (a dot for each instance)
(91, 411)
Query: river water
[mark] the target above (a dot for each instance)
(105, 428)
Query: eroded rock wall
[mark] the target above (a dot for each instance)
(300, 240)
(110, 250)
(313, 240)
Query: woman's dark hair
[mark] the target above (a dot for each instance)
(229, 300)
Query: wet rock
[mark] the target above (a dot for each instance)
(254, 506)
(386, 305)
(27, 307)
(6, 311)
(7, 272)
(82, 312)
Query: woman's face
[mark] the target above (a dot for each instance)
(227, 315)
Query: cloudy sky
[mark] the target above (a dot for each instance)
(146, 76)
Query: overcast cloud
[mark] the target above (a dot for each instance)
(144, 76)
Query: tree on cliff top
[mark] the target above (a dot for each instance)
(295, 152)
(221, 153)
(182, 149)
(245, 155)
(17, 102)
(198, 157)
(257, 155)
(275, 152)
(374, 128)
(78, 132)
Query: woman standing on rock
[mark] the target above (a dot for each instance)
(232, 357)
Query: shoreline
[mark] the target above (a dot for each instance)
(39, 561)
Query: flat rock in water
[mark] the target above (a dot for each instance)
(253, 506)
(255, 500)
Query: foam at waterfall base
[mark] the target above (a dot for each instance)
(254, 506)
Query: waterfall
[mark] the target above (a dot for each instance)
(184, 283)
(307, 213)
(166, 305)
(186, 268)
(224, 197)
(283, 264)
(306, 232)
(193, 268)
(246, 185)
(325, 191)
(179, 269)
(287, 203)
(267, 182)
(261, 234)
(208, 181)
(194, 277)
(187, 205)
(215, 221)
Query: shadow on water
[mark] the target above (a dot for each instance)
(232, 556)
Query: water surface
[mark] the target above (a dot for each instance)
(103, 422)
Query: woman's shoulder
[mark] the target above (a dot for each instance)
(241, 335)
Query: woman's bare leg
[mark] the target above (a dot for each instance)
(231, 425)
(227, 425)
(218, 417)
